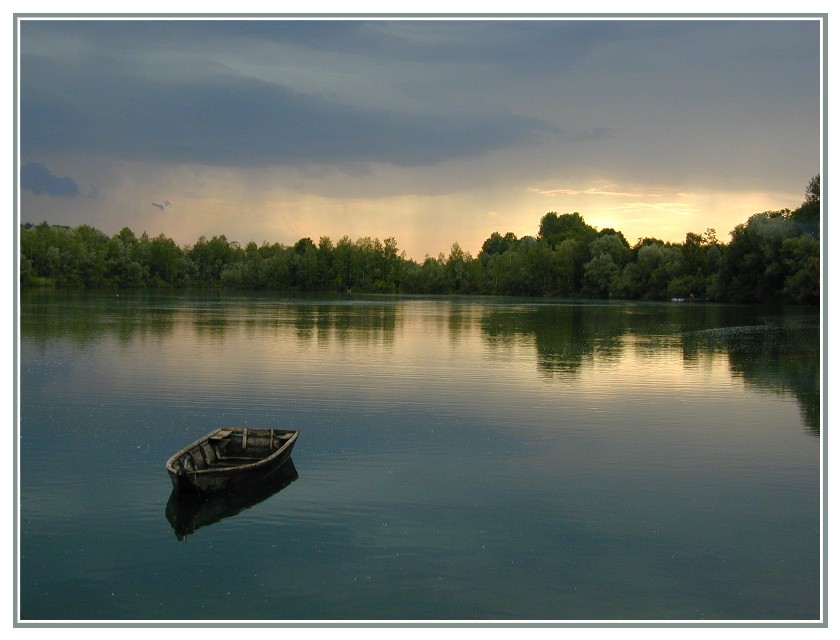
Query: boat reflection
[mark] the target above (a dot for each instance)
(188, 512)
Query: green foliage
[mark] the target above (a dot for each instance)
(755, 269)
(556, 228)
(773, 257)
(211, 257)
(613, 245)
(498, 245)
(801, 257)
(807, 216)
(598, 275)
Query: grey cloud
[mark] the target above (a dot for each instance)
(198, 34)
(39, 180)
(598, 133)
(623, 91)
(228, 120)
(511, 46)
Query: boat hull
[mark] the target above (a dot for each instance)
(229, 459)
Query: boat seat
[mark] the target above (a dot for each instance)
(198, 460)
(209, 453)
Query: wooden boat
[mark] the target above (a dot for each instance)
(229, 458)
(188, 511)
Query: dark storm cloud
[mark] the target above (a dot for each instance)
(36, 178)
(256, 92)
(237, 121)
(99, 102)
(532, 47)
(197, 34)
(526, 45)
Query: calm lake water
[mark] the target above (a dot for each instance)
(458, 459)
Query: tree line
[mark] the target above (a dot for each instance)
(773, 257)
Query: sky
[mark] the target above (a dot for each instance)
(430, 131)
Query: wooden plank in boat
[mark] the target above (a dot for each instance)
(221, 435)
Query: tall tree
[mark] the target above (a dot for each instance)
(556, 228)
(808, 214)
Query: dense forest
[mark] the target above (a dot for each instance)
(773, 257)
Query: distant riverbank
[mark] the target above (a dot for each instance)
(774, 257)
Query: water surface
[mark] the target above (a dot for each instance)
(459, 459)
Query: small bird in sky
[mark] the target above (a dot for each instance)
(161, 205)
